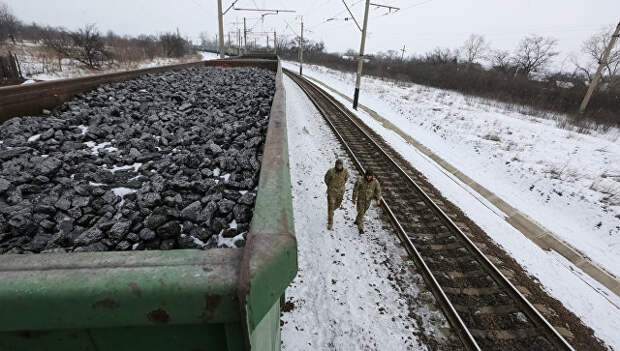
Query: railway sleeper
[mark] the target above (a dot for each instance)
(496, 321)
(498, 309)
(459, 298)
(472, 291)
(459, 274)
(479, 282)
(468, 265)
(449, 242)
(525, 334)
(437, 262)
(426, 237)
(439, 238)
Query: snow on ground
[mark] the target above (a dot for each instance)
(38, 64)
(597, 306)
(347, 294)
(208, 55)
(76, 70)
(567, 181)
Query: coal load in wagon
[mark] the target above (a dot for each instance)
(162, 162)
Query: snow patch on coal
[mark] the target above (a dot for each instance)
(165, 161)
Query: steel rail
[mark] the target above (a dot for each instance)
(451, 314)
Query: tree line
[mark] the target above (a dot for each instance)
(523, 76)
(88, 46)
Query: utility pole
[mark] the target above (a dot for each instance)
(245, 37)
(238, 41)
(597, 75)
(269, 12)
(402, 55)
(275, 42)
(301, 48)
(360, 59)
(220, 20)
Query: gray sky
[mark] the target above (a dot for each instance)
(421, 25)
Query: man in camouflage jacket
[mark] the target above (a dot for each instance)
(365, 190)
(335, 179)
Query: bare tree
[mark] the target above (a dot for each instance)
(8, 23)
(59, 41)
(388, 55)
(501, 60)
(350, 53)
(441, 56)
(89, 47)
(173, 45)
(534, 53)
(85, 45)
(593, 49)
(475, 48)
(149, 46)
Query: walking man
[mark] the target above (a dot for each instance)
(335, 179)
(365, 190)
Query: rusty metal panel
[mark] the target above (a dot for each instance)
(114, 289)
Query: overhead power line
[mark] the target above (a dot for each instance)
(290, 28)
(351, 13)
(390, 8)
(335, 15)
(263, 10)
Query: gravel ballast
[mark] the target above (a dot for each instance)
(162, 162)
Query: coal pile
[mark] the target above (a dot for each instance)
(162, 162)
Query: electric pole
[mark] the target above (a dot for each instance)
(597, 75)
(269, 12)
(220, 20)
(301, 48)
(275, 43)
(245, 37)
(402, 55)
(360, 59)
(238, 41)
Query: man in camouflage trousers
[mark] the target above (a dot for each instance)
(365, 190)
(335, 179)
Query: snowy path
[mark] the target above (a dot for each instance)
(596, 305)
(352, 292)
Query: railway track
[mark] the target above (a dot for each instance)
(484, 309)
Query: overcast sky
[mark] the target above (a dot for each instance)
(421, 25)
